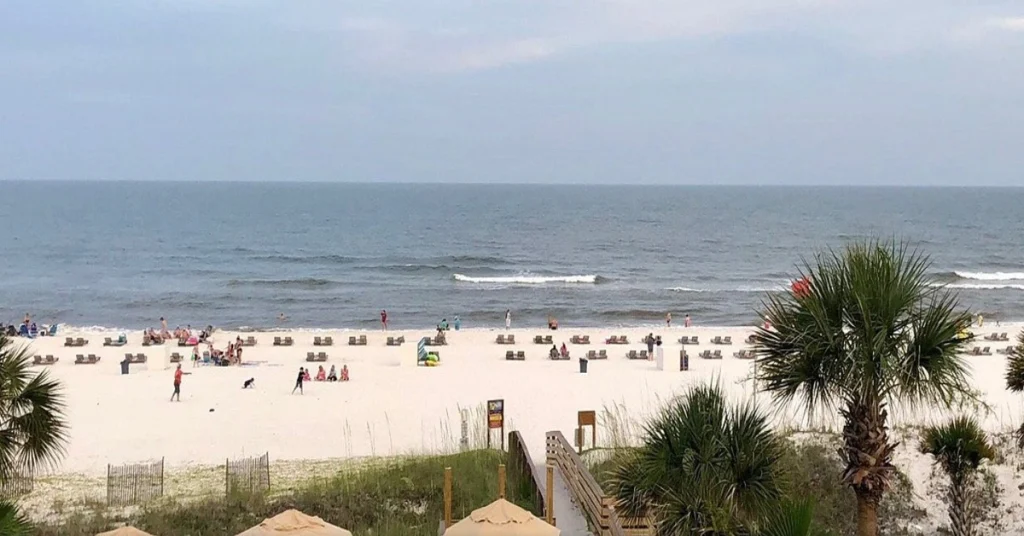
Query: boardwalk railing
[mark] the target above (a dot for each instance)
(585, 491)
(248, 475)
(522, 472)
(136, 483)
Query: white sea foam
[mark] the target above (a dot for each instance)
(983, 286)
(991, 276)
(528, 279)
(742, 288)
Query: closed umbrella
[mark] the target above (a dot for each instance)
(295, 523)
(125, 531)
(501, 518)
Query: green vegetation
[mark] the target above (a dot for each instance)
(389, 497)
(959, 447)
(703, 468)
(1015, 376)
(32, 428)
(868, 331)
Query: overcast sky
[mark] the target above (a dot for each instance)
(550, 91)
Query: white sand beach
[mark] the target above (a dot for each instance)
(391, 406)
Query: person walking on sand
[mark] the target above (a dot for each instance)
(298, 381)
(177, 383)
(508, 319)
(384, 319)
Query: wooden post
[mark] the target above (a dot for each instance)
(447, 497)
(549, 508)
(501, 481)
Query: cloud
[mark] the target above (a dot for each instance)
(1013, 24)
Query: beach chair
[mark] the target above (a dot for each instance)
(706, 354)
(510, 355)
(391, 342)
(727, 341)
(352, 341)
(176, 358)
(37, 360)
(743, 354)
(287, 341)
(321, 357)
(592, 354)
(92, 359)
(362, 340)
(691, 340)
(317, 341)
(717, 354)
(716, 340)
(328, 341)
(50, 360)
(538, 339)
(612, 340)
(975, 351)
(400, 340)
(107, 341)
(310, 357)
(1004, 337)
(500, 339)
(1005, 351)
(138, 359)
(575, 339)
(249, 341)
(991, 337)
(643, 354)
(79, 359)
(631, 354)
(517, 356)
(751, 339)
(986, 351)
(602, 354)
(277, 341)
(68, 341)
(81, 342)
(549, 340)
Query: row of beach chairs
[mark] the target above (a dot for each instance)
(71, 343)
(543, 339)
(319, 357)
(997, 337)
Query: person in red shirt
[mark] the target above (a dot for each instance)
(177, 383)
(384, 319)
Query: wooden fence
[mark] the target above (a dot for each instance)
(522, 472)
(586, 492)
(247, 475)
(134, 483)
(16, 486)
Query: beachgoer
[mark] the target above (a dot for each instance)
(299, 380)
(457, 322)
(238, 354)
(344, 373)
(384, 319)
(552, 323)
(177, 383)
(443, 326)
(508, 319)
(553, 354)
(981, 320)
(686, 321)
(250, 383)
(668, 319)
(195, 356)
(321, 374)
(650, 343)
(332, 376)
(281, 318)
(28, 319)
(163, 329)
(565, 351)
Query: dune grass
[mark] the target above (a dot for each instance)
(382, 497)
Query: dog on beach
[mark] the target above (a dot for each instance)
(250, 383)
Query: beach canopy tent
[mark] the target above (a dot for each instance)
(125, 531)
(501, 518)
(295, 523)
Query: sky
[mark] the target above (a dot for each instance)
(798, 92)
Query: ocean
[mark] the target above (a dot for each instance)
(123, 254)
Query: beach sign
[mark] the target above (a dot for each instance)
(496, 419)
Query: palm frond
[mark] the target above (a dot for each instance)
(12, 521)
(958, 446)
(790, 519)
(1015, 365)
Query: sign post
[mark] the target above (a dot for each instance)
(586, 418)
(496, 419)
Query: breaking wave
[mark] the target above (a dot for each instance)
(991, 276)
(530, 279)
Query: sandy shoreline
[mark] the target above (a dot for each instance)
(393, 407)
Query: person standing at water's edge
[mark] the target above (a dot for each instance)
(298, 381)
(508, 319)
(384, 319)
(668, 320)
(177, 383)
(687, 322)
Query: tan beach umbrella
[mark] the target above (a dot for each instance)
(125, 531)
(501, 518)
(295, 523)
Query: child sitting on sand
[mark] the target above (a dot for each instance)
(333, 375)
(321, 376)
(344, 373)
(305, 376)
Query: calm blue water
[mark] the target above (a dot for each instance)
(332, 255)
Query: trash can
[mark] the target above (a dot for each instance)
(583, 365)
(124, 366)
(684, 362)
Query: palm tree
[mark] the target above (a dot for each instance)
(1015, 376)
(868, 331)
(959, 447)
(32, 428)
(703, 467)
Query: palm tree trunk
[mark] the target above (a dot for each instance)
(867, 515)
(959, 507)
(867, 454)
